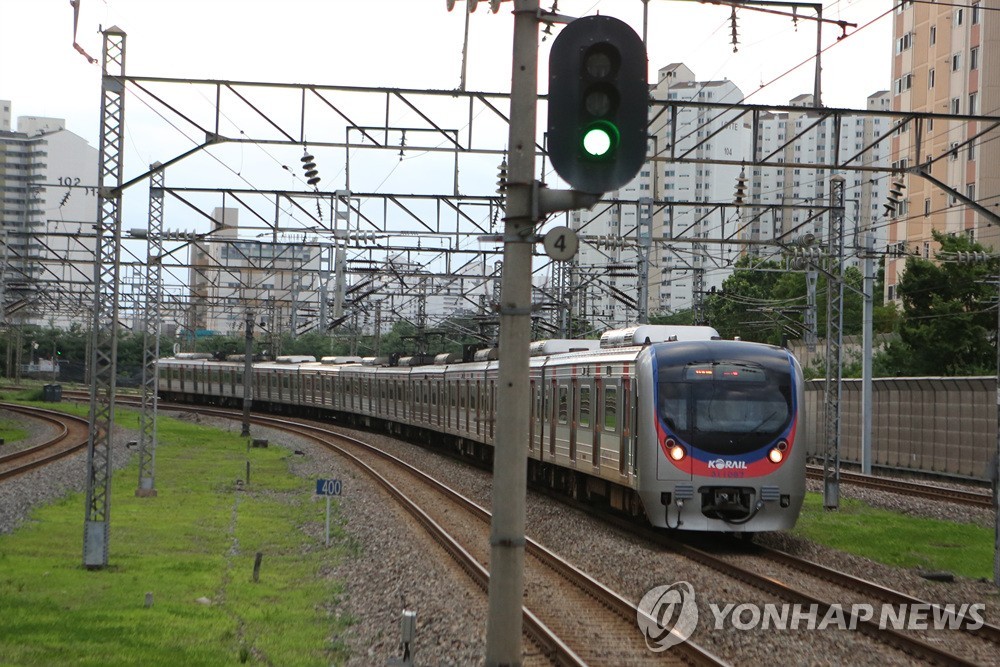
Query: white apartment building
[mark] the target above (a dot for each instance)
(676, 264)
(686, 268)
(680, 203)
(798, 140)
(48, 179)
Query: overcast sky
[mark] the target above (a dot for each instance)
(377, 43)
(404, 43)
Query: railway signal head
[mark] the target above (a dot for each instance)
(598, 104)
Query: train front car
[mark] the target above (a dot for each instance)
(720, 436)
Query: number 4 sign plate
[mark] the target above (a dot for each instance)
(561, 243)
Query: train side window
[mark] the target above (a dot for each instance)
(585, 406)
(611, 409)
(563, 404)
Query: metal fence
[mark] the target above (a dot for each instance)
(940, 425)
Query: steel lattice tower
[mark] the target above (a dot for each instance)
(834, 332)
(151, 335)
(103, 335)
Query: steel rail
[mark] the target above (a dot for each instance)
(16, 463)
(907, 488)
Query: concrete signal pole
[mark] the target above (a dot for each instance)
(510, 460)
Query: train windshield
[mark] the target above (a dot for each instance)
(725, 408)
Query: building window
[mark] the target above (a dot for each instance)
(930, 78)
(933, 39)
(974, 58)
(972, 151)
(975, 13)
(973, 103)
(958, 17)
(927, 207)
(970, 191)
(956, 62)
(904, 42)
(956, 105)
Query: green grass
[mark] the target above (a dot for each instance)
(11, 431)
(896, 539)
(197, 538)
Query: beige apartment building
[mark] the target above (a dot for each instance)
(946, 60)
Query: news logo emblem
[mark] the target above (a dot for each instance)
(667, 615)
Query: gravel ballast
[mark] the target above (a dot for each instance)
(398, 568)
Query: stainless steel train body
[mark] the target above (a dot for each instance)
(699, 434)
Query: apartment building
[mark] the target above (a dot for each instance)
(48, 189)
(280, 281)
(946, 60)
(674, 204)
(796, 192)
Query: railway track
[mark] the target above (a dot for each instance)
(767, 570)
(907, 488)
(571, 618)
(763, 569)
(71, 436)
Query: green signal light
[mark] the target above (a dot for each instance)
(600, 139)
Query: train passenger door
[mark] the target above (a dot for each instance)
(574, 411)
(543, 412)
(493, 408)
(476, 410)
(531, 417)
(553, 415)
(625, 446)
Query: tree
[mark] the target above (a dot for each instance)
(948, 322)
(745, 307)
(681, 317)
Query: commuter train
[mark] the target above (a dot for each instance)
(697, 433)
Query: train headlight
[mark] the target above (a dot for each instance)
(677, 452)
(775, 455)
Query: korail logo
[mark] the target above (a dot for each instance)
(667, 615)
(723, 464)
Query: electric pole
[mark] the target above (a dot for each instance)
(510, 460)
